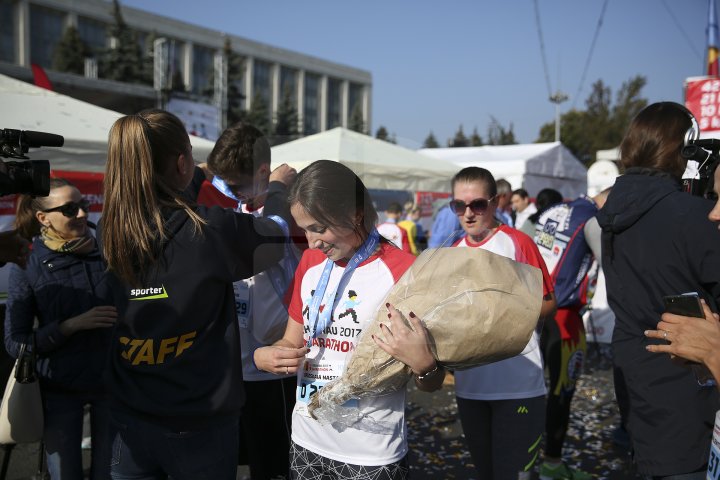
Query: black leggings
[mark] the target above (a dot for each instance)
(564, 360)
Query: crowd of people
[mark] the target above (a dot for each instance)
(196, 335)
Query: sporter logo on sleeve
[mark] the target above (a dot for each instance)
(150, 293)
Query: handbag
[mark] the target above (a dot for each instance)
(21, 411)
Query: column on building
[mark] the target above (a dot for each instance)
(344, 103)
(249, 72)
(275, 93)
(187, 65)
(366, 103)
(301, 101)
(23, 33)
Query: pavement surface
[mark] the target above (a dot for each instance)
(437, 448)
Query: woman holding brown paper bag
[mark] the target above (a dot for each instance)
(501, 405)
(339, 285)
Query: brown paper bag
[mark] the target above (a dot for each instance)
(479, 307)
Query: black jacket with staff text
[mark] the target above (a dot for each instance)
(175, 356)
(656, 241)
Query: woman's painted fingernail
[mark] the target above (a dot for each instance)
(389, 316)
(412, 314)
(387, 305)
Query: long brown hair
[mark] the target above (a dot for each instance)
(26, 222)
(141, 149)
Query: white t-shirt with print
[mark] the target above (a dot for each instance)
(356, 307)
(522, 375)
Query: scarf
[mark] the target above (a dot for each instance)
(55, 242)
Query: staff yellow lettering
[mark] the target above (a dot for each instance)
(166, 347)
(184, 343)
(145, 354)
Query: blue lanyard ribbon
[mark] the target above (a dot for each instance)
(282, 274)
(218, 183)
(321, 320)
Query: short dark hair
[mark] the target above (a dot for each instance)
(521, 192)
(241, 148)
(394, 207)
(655, 138)
(476, 174)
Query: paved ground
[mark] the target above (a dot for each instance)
(437, 445)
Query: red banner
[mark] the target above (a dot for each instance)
(426, 201)
(702, 98)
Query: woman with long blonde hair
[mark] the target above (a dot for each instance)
(175, 369)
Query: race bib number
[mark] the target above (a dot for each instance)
(713, 470)
(242, 303)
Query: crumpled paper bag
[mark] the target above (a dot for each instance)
(479, 307)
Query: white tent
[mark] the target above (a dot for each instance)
(380, 164)
(84, 126)
(532, 166)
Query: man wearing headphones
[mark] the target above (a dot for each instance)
(656, 241)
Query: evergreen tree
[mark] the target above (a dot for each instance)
(357, 122)
(148, 59)
(382, 134)
(498, 135)
(430, 141)
(70, 52)
(460, 140)
(258, 115)
(476, 139)
(123, 61)
(286, 120)
(235, 97)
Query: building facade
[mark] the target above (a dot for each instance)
(325, 93)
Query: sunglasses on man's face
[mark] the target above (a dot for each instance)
(71, 209)
(478, 206)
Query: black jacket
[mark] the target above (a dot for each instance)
(175, 357)
(657, 240)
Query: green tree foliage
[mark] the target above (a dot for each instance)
(460, 140)
(148, 59)
(602, 124)
(382, 134)
(259, 115)
(70, 52)
(498, 135)
(476, 139)
(356, 121)
(235, 97)
(430, 141)
(123, 61)
(286, 119)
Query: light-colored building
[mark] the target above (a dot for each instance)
(325, 92)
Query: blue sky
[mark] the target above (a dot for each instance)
(436, 65)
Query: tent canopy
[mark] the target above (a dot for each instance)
(532, 166)
(380, 164)
(84, 126)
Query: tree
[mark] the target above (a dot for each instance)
(498, 135)
(286, 119)
(148, 59)
(460, 140)
(602, 124)
(476, 139)
(357, 122)
(235, 97)
(430, 141)
(382, 134)
(259, 115)
(70, 52)
(123, 61)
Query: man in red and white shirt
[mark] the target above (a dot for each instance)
(392, 231)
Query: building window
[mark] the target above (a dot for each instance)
(175, 63)
(311, 120)
(355, 98)
(93, 34)
(7, 32)
(288, 83)
(203, 64)
(334, 103)
(46, 29)
(261, 81)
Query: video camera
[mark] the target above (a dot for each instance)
(706, 153)
(33, 176)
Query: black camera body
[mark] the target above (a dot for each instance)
(31, 177)
(706, 153)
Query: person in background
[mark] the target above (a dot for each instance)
(522, 207)
(240, 166)
(503, 212)
(445, 228)
(546, 198)
(175, 368)
(560, 237)
(343, 279)
(416, 234)
(656, 241)
(390, 229)
(501, 405)
(66, 287)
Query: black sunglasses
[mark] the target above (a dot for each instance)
(70, 209)
(478, 206)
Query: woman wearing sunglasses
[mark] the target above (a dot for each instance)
(501, 405)
(66, 288)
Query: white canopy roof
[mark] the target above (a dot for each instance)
(380, 164)
(532, 166)
(84, 126)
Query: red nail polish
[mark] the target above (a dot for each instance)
(389, 316)
(387, 305)
(412, 314)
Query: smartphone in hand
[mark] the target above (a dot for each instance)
(688, 305)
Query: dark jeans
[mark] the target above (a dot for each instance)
(145, 451)
(63, 435)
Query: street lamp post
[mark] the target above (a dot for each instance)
(557, 98)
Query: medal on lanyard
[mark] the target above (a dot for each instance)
(318, 320)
